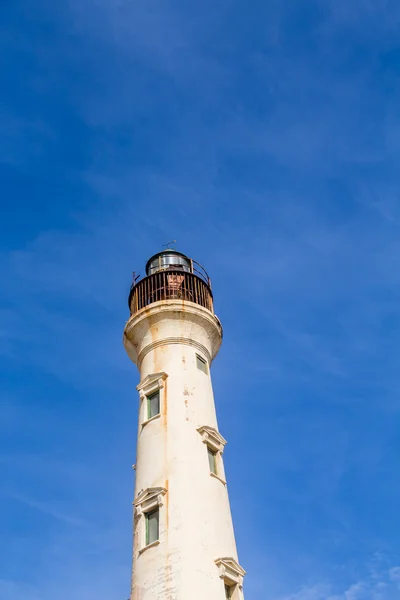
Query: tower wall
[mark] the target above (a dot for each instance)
(196, 528)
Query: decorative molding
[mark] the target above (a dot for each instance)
(212, 438)
(218, 477)
(173, 340)
(230, 571)
(148, 500)
(151, 384)
(151, 419)
(157, 312)
(152, 545)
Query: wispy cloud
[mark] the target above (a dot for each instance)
(381, 586)
(47, 509)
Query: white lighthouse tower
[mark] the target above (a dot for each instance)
(184, 544)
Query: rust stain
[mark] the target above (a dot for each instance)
(157, 287)
(135, 537)
(165, 408)
(166, 485)
(153, 330)
(187, 407)
(166, 504)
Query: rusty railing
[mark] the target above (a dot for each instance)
(170, 285)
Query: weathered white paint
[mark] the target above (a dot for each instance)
(172, 464)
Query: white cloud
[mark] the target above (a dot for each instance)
(370, 588)
(395, 575)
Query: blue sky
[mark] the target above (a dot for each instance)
(265, 137)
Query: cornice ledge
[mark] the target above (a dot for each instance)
(173, 306)
(230, 569)
(173, 340)
(152, 545)
(150, 496)
(212, 437)
(154, 380)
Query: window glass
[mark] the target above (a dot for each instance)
(201, 363)
(212, 460)
(153, 405)
(228, 592)
(152, 526)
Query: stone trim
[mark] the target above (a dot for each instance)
(230, 571)
(154, 314)
(215, 442)
(148, 500)
(218, 477)
(151, 384)
(173, 340)
(155, 382)
(152, 545)
(151, 419)
(212, 438)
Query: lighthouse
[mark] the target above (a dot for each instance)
(183, 545)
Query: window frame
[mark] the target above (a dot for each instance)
(216, 443)
(148, 501)
(212, 462)
(232, 575)
(200, 360)
(228, 591)
(151, 385)
(149, 398)
(147, 516)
